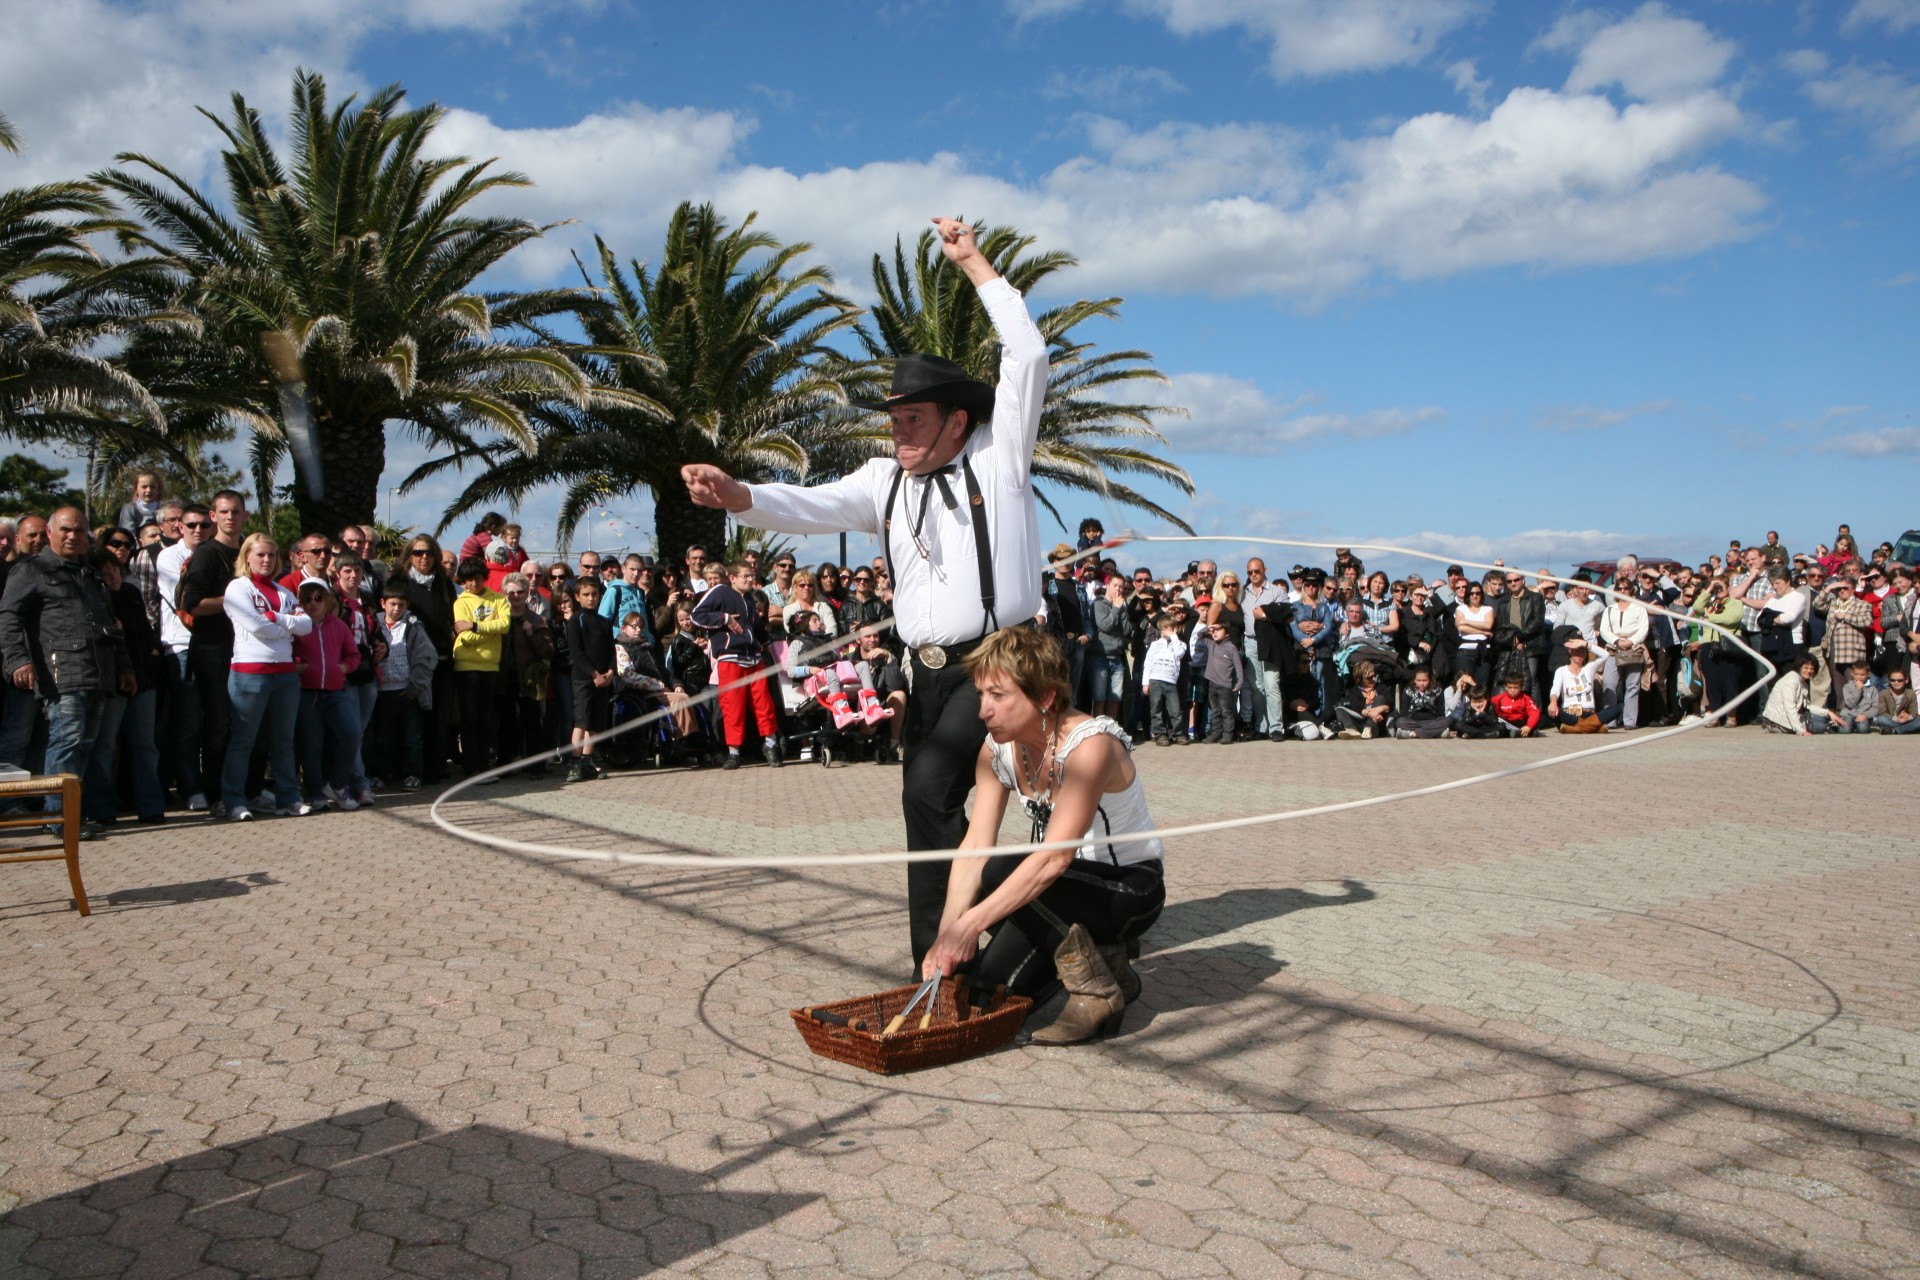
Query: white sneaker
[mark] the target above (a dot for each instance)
(329, 794)
(264, 800)
(346, 803)
(197, 802)
(239, 813)
(298, 809)
(365, 797)
(1689, 719)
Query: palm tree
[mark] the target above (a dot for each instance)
(722, 354)
(56, 311)
(927, 305)
(338, 296)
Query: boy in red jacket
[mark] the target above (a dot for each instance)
(327, 734)
(1519, 714)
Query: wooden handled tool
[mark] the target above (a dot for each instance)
(933, 1002)
(837, 1019)
(899, 1019)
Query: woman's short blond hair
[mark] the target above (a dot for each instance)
(246, 549)
(1032, 659)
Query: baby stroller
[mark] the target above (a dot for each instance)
(656, 745)
(826, 715)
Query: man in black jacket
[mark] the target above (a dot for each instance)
(1520, 626)
(60, 638)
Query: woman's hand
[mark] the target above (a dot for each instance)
(953, 949)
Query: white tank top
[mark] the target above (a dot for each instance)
(1124, 810)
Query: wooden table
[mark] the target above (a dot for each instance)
(67, 847)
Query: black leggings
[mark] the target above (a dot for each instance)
(1114, 904)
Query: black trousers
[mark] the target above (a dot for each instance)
(478, 724)
(940, 745)
(210, 665)
(1114, 905)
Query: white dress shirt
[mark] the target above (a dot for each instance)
(167, 568)
(936, 596)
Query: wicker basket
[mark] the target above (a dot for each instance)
(948, 1039)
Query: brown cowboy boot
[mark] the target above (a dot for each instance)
(1094, 1005)
(1121, 968)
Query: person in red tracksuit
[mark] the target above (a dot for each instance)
(1519, 714)
(738, 647)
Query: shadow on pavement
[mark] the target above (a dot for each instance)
(164, 895)
(377, 1192)
(1199, 918)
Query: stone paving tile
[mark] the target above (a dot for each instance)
(1479, 1034)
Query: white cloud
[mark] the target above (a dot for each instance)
(86, 79)
(1882, 100)
(1113, 88)
(1585, 417)
(1304, 37)
(1323, 37)
(1900, 281)
(1233, 416)
(1651, 55)
(1035, 10)
(1546, 179)
(1469, 83)
(1895, 15)
(1878, 442)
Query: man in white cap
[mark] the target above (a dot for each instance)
(954, 509)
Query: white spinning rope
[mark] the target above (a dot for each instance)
(731, 862)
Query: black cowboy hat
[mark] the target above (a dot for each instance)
(918, 379)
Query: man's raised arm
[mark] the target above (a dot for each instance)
(1022, 392)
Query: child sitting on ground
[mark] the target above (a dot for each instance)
(1424, 711)
(1519, 714)
(1477, 718)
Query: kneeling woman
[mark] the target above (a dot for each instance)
(1064, 915)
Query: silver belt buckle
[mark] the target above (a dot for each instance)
(931, 656)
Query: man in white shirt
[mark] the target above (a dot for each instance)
(956, 514)
(180, 708)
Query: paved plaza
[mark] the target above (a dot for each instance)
(1649, 1015)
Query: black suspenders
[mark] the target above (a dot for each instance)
(982, 546)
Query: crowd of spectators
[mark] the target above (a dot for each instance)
(174, 654)
(1336, 651)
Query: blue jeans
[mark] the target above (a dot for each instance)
(20, 714)
(1106, 677)
(1888, 722)
(181, 732)
(128, 720)
(328, 744)
(262, 704)
(73, 723)
(363, 696)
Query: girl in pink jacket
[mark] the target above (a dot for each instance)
(328, 730)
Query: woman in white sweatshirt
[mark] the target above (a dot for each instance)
(263, 683)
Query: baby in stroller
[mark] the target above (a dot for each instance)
(826, 677)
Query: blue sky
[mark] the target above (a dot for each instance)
(1482, 277)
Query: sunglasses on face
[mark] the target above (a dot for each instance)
(119, 544)
(196, 524)
(420, 551)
